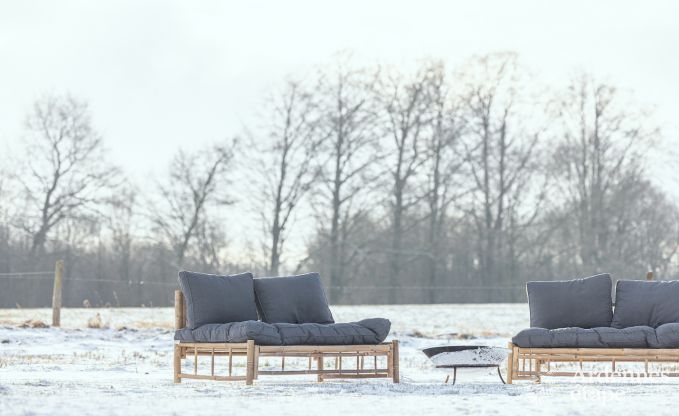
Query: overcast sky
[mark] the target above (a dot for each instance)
(164, 74)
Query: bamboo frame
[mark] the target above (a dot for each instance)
(252, 354)
(535, 363)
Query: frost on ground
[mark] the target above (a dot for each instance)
(126, 368)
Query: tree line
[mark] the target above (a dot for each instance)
(433, 185)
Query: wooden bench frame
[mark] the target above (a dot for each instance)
(253, 352)
(535, 363)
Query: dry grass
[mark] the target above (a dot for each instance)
(96, 322)
(151, 325)
(34, 323)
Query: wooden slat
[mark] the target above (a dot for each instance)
(577, 359)
(323, 372)
(195, 360)
(208, 352)
(395, 362)
(328, 354)
(230, 361)
(601, 351)
(206, 377)
(345, 375)
(256, 362)
(240, 346)
(325, 348)
(606, 374)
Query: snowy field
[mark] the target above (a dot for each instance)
(125, 368)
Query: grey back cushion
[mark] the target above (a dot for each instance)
(214, 299)
(293, 300)
(639, 302)
(581, 303)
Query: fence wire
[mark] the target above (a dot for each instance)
(48, 275)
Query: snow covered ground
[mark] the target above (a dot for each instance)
(125, 369)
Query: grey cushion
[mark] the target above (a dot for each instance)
(668, 335)
(294, 300)
(366, 332)
(583, 303)
(639, 302)
(369, 331)
(217, 299)
(262, 333)
(634, 337)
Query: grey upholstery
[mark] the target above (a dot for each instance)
(262, 333)
(605, 337)
(665, 336)
(583, 303)
(217, 299)
(369, 331)
(293, 299)
(639, 302)
(668, 335)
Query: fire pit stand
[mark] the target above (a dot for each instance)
(467, 356)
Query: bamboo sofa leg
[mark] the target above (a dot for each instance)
(510, 363)
(250, 369)
(394, 363)
(177, 363)
(319, 367)
(256, 375)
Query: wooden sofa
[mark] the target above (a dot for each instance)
(636, 310)
(371, 361)
(535, 363)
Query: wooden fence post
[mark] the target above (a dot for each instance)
(649, 276)
(56, 293)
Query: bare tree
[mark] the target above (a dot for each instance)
(444, 162)
(196, 183)
(5, 220)
(211, 240)
(604, 140)
(66, 172)
(121, 222)
(406, 108)
(501, 155)
(349, 154)
(649, 233)
(292, 143)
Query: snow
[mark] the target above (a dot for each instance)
(126, 369)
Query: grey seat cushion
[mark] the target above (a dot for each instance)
(583, 303)
(605, 337)
(639, 302)
(217, 299)
(293, 299)
(262, 333)
(366, 332)
(668, 335)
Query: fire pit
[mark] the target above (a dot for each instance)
(467, 356)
